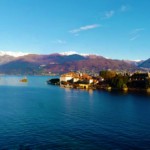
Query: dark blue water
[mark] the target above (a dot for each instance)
(35, 115)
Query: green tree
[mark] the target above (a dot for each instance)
(106, 74)
(119, 81)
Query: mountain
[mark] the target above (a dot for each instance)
(58, 63)
(93, 65)
(145, 64)
(5, 59)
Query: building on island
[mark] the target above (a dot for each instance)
(139, 81)
(140, 76)
(78, 80)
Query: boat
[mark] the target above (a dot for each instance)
(24, 79)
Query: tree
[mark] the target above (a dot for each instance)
(147, 83)
(106, 74)
(119, 81)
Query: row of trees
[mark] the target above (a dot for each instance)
(120, 81)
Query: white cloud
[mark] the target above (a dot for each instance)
(137, 30)
(136, 33)
(134, 37)
(59, 41)
(124, 8)
(76, 34)
(11, 53)
(109, 14)
(84, 28)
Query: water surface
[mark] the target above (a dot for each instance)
(35, 115)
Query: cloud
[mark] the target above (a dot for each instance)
(109, 14)
(84, 28)
(137, 30)
(134, 37)
(124, 8)
(59, 42)
(136, 33)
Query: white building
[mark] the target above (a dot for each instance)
(69, 76)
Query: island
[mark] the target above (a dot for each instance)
(106, 79)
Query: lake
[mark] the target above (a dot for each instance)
(35, 115)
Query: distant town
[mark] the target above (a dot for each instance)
(57, 64)
(106, 79)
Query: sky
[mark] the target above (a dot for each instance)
(117, 29)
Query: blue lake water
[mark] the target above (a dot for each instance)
(35, 115)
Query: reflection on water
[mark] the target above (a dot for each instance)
(12, 81)
(90, 91)
(67, 89)
(35, 115)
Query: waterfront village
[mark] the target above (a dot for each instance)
(107, 80)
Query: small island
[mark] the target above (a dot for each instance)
(106, 79)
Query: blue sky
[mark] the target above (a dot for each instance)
(118, 29)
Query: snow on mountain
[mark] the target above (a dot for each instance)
(135, 62)
(11, 53)
(68, 53)
(72, 53)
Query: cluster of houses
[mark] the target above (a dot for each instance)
(140, 80)
(140, 76)
(77, 80)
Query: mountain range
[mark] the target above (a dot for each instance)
(61, 63)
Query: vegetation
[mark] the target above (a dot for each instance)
(55, 81)
(119, 81)
(124, 81)
(107, 74)
(110, 80)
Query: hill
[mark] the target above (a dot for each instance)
(5, 59)
(145, 64)
(57, 63)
